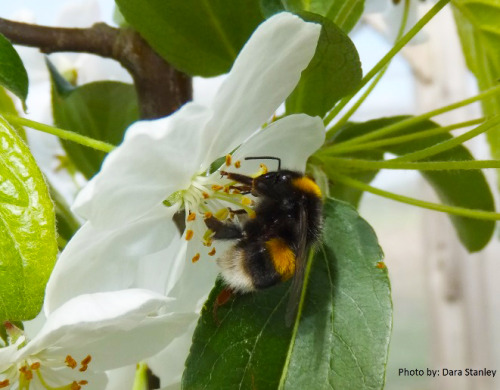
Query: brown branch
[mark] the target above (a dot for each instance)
(160, 88)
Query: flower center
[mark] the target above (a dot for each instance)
(35, 369)
(207, 197)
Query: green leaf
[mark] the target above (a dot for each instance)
(345, 14)
(13, 75)
(467, 189)
(27, 230)
(340, 339)
(101, 110)
(334, 72)
(198, 37)
(7, 106)
(67, 224)
(479, 30)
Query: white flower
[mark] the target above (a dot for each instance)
(161, 167)
(130, 239)
(86, 336)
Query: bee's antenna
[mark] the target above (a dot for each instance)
(266, 158)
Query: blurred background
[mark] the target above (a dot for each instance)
(446, 301)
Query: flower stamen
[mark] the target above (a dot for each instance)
(70, 362)
(4, 383)
(189, 234)
(228, 160)
(195, 258)
(191, 216)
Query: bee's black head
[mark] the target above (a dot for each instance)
(275, 184)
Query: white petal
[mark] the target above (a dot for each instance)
(266, 71)
(106, 260)
(156, 158)
(116, 328)
(292, 139)
(9, 353)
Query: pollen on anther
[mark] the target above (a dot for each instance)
(217, 187)
(70, 362)
(75, 386)
(205, 195)
(87, 360)
(195, 258)
(189, 234)
(208, 214)
(246, 201)
(35, 366)
(84, 382)
(237, 164)
(4, 383)
(191, 217)
(212, 252)
(228, 159)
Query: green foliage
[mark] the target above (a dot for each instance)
(334, 72)
(467, 189)
(27, 230)
(100, 110)
(479, 30)
(198, 37)
(340, 338)
(7, 106)
(13, 75)
(345, 14)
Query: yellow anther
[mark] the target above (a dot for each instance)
(83, 383)
(195, 258)
(205, 195)
(222, 214)
(228, 159)
(4, 383)
(208, 214)
(246, 201)
(217, 187)
(70, 362)
(35, 366)
(237, 164)
(212, 252)
(189, 234)
(191, 217)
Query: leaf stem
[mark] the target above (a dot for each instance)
(460, 211)
(379, 76)
(61, 133)
(421, 166)
(418, 134)
(451, 143)
(416, 119)
(385, 60)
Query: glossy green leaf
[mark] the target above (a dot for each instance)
(7, 106)
(479, 30)
(67, 224)
(27, 229)
(345, 14)
(198, 37)
(13, 75)
(467, 188)
(340, 339)
(334, 72)
(101, 110)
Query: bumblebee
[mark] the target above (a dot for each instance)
(272, 246)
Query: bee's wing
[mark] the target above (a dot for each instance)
(300, 269)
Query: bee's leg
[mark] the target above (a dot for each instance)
(242, 189)
(223, 298)
(223, 230)
(247, 180)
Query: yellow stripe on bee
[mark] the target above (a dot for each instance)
(307, 185)
(282, 257)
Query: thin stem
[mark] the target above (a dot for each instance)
(451, 143)
(61, 133)
(373, 165)
(379, 76)
(385, 60)
(463, 212)
(416, 119)
(419, 134)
